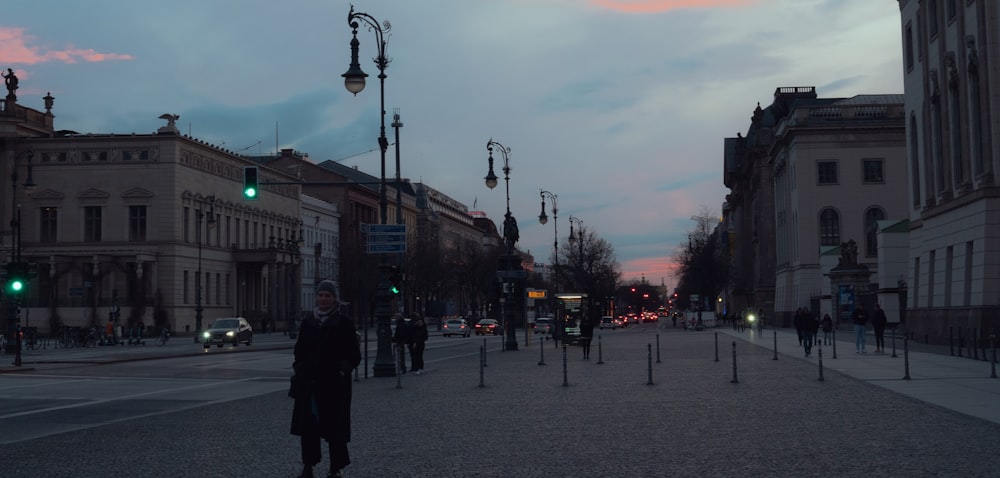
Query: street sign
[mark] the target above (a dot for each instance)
(384, 228)
(537, 293)
(380, 248)
(385, 238)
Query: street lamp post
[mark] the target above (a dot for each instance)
(510, 234)
(198, 309)
(354, 81)
(543, 219)
(15, 226)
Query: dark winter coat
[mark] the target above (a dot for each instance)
(879, 320)
(325, 354)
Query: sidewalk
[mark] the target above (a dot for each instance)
(961, 384)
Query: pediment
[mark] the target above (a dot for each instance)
(93, 193)
(48, 194)
(135, 193)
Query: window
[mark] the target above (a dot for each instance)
(826, 172)
(829, 227)
(137, 223)
(49, 221)
(873, 171)
(932, 18)
(92, 223)
(872, 217)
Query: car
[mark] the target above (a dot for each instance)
(456, 327)
(232, 330)
(608, 322)
(543, 325)
(488, 326)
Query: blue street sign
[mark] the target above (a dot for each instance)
(385, 248)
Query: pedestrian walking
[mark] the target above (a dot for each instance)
(326, 351)
(859, 317)
(586, 336)
(402, 338)
(418, 330)
(800, 326)
(879, 322)
(827, 325)
(810, 323)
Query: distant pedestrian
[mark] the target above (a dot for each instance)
(810, 330)
(827, 325)
(418, 330)
(586, 335)
(879, 322)
(402, 338)
(326, 351)
(859, 318)
(799, 322)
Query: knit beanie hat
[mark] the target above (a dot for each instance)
(327, 286)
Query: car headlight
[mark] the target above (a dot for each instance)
(230, 333)
(206, 334)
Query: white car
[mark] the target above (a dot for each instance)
(543, 325)
(608, 322)
(456, 327)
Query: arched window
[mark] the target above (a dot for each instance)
(872, 216)
(829, 227)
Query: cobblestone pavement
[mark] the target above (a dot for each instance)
(659, 405)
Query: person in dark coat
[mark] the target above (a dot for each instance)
(879, 321)
(827, 325)
(418, 333)
(326, 351)
(403, 338)
(586, 336)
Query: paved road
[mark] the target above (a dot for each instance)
(607, 420)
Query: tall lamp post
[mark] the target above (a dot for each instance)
(14, 301)
(198, 309)
(543, 219)
(354, 81)
(578, 239)
(510, 236)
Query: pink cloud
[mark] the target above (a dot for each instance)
(659, 6)
(15, 47)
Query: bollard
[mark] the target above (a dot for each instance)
(775, 345)
(821, 362)
(657, 348)
(716, 346)
(734, 380)
(833, 336)
(600, 354)
(906, 358)
(482, 363)
(484, 354)
(541, 352)
(565, 378)
(893, 342)
(649, 363)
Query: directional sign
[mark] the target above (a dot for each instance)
(385, 238)
(384, 228)
(385, 248)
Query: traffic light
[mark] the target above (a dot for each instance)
(251, 182)
(395, 280)
(15, 278)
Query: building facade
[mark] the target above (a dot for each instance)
(951, 62)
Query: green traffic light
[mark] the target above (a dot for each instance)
(16, 286)
(394, 289)
(250, 192)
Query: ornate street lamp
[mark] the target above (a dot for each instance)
(543, 219)
(510, 234)
(354, 81)
(198, 309)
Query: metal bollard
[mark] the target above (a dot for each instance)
(657, 348)
(565, 377)
(541, 352)
(821, 362)
(833, 335)
(716, 346)
(906, 358)
(893, 342)
(482, 363)
(649, 363)
(734, 380)
(484, 354)
(775, 345)
(600, 354)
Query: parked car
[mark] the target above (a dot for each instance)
(456, 327)
(488, 326)
(608, 322)
(543, 325)
(228, 331)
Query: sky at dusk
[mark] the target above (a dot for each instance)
(619, 107)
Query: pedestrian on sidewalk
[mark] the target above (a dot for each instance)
(326, 351)
(403, 338)
(811, 329)
(859, 317)
(879, 322)
(586, 335)
(800, 326)
(418, 343)
(827, 325)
